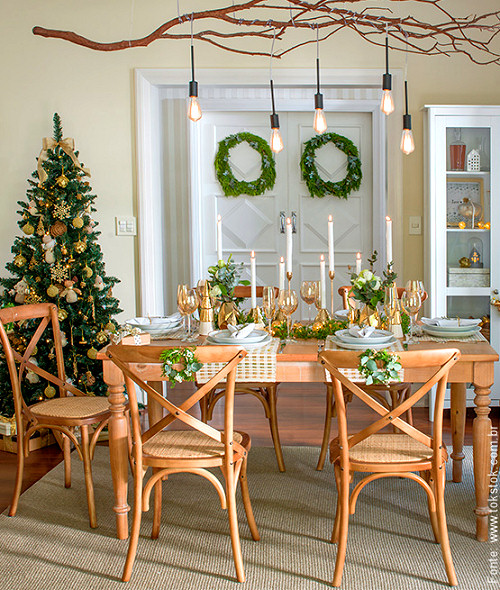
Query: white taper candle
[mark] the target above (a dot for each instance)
(253, 280)
(289, 245)
(358, 263)
(219, 237)
(388, 239)
(282, 274)
(331, 250)
(322, 277)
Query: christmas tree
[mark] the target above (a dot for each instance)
(58, 259)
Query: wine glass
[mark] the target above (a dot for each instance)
(308, 291)
(187, 303)
(268, 305)
(287, 302)
(415, 286)
(411, 302)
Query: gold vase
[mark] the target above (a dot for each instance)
(228, 314)
(369, 316)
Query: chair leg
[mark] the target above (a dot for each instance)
(443, 529)
(327, 428)
(136, 526)
(233, 523)
(343, 526)
(67, 461)
(432, 515)
(19, 476)
(273, 424)
(336, 524)
(87, 469)
(246, 501)
(157, 507)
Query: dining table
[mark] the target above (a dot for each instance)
(298, 362)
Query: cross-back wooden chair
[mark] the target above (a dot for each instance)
(390, 454)
(265, 392)
(195, 449)
(391, 396)
(71, 410)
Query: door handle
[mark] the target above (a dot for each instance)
(294, 222)
(282, 222)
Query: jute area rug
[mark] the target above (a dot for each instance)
(49, 543)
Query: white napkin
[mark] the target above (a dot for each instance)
(450, 323)
(364, 332)
(239, 333)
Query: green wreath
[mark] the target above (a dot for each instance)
(319, 187)
(233, 187)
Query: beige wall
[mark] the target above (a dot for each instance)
(93, 93)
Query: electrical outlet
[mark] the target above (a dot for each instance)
(126, 226)
(415, 225)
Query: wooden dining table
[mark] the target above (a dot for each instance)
(297, 362)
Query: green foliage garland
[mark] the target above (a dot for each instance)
(183, 358)
(233, 187)
(309, 332)
(315, 184)
(379, 366)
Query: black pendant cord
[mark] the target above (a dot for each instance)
(317, 76)
(386, 53)
(192, 62)
(272, 97)
(406, 97)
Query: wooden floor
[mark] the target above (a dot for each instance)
(301, 410)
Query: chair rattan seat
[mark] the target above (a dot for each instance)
(386, 448)
(187, 444)
(71, 407)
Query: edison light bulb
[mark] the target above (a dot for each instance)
(276, 141)
(194, 110)
(407, 143)
(319, 121)
(387, 104)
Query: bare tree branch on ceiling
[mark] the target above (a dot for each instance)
(446, 34)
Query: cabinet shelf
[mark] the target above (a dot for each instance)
(468, 291)
(467, 229)
(466, 173)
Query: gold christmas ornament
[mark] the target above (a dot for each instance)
(101, 337)
(64, 250)
(49, 391)
(37, 279)
(61, 210)
(62, 314)
(32, 297)
(92, 353)
(77, 222)
(80, 246)
(40, 230)
(62, 181)
(110, 327)
(79, 196)
(58, 229)
(28, 229)
(87, 271)
(317, 326)
(464, 262)
(59, 272)
(52, 291)
(32, 263)
(19, 260)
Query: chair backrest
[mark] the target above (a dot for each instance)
(142, 364)
(18, 363)
(244, 291)
(345, 290)
(437, 363)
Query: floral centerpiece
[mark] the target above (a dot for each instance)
(223, 278)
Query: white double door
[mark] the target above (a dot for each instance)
(256, 222)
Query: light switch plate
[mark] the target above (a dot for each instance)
(415, 225)
(126, 226)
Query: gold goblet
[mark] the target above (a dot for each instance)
(288, 302)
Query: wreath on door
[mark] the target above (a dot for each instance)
(316, 185)
(231, 186)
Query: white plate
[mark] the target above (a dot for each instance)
(242, 343)
(449, 329)
(465, 324)
(341, 314)
(224, 337)
(445, 333)
(362, 346)
(377, 337)
(153, 325)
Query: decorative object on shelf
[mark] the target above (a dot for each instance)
(496, 302)
(231, 186)
(387, 103)
(464, 196)
(457, 151)
(476, 253)
(180, 364)
(206, 312)
(473, 161)
(464, 262)
(487, 225)
(468, 277)
(379, 367)
(194, 110)
(276, 141)
(316, 185)
(462, 224)
(483, 156)
(319, 124)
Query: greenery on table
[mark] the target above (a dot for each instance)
(223, 278)
(368, 287)
(379, 366)
(316, 185)
(180, 364)
(317, 331)
(233, 187)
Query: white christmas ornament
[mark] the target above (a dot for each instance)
(48, 245)
(19, 290)
(31, 376)
(99, 283)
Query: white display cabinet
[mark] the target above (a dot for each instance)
(462, 222)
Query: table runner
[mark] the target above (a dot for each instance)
(259, 366)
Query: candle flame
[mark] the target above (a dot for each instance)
(387, 218)
(330, 218)
(288, 221)
(322, 257)
(282, 259)
(219, 218)
(252, 254)
(358, 255)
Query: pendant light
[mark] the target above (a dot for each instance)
(194, 110)
(407, 143)
(387, 104)
(319, 115)
(276, 141)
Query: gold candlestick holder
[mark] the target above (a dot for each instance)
(256, 317)
(331, 274)
(392, 311)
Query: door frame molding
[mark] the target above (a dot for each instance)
(150, 86)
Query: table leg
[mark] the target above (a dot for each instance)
(458, 413)
(118, 454)
(481, 440)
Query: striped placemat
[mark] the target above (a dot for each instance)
(477, 337)
(259, 366)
